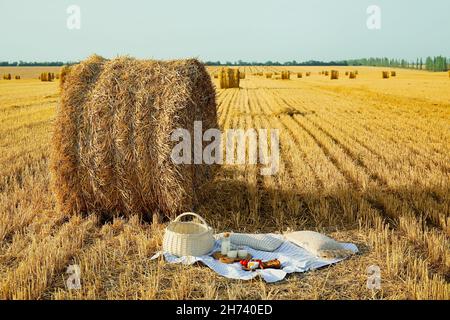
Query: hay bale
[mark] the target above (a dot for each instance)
(299, 75)
(393, 73)
(229, 78)
(352, 75)
(285, 75)
(269, 75)
(17, 77)
(308, 74)
(241, 75)
(385, 74)
(326, 73)
(346, 73)
(216, 76)
(111, 150)
(356, 72)
(7, 76)
(334, 75)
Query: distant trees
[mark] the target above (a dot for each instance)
(436, 64)
(34, 64)
(277, 63)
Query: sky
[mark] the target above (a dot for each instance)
(250, 30)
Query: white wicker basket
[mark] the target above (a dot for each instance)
(188, 238)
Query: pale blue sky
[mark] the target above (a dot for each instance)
(277, 30)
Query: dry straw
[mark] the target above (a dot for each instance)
(299, 75)
(17, 77)
(241, 75)
(385, 74)
(269, 75)
(111, 150)
(7, 76)
(326, 73)
(352, 75)
(393, 73)
(334, 75)
(308, 74)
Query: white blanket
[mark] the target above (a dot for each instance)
(292, 258)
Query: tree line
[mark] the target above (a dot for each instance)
(34, 64)
(436, 64)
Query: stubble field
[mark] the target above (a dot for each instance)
(364, 160)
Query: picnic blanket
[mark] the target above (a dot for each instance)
(292, 257)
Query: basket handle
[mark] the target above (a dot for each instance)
(191, 214)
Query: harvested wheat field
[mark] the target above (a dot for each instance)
(364, 160)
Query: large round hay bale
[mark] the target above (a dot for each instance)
(112, 137)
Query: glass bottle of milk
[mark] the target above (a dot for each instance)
(226, 243)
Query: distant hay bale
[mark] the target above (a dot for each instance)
(385, 74)
(299, 75)
(7, 76)
(326, 73)
(57, 76)
(229, 78)
(216, 75)
(352, 75)
(393, 73)
(63, 73)
(308, 74)
(268, 75)
(241, 75)
(111, 148)
(346, 73)
(334, 75)
(17, 77)
(46, 76)
(356, 72)
(285, 75)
